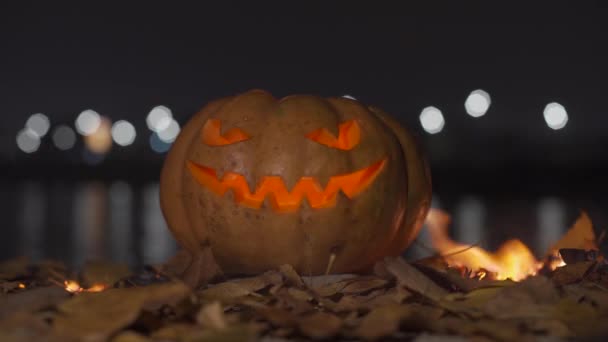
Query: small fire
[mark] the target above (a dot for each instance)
(513, 259)
(74, 287)
(21, 286)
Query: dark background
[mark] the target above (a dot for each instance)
(501, 175)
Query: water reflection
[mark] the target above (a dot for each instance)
(156, 241)
(469, 218)
(551, 222)
(90, 221)
(32, 219)
(119, 221)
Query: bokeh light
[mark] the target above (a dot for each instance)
(159, 118)
(170, 132)
(432, 120)
(39, 124)
(64, 137)
(477, 103)
(100, 141)
(157, 144)
(28, 141)
(555, 115)
(88, 122)
(123, 133)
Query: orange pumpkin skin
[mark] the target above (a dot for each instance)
(219, 181)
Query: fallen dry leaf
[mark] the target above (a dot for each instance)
(291, 276)
(260, 282)
(571, 273)
(103, 273)
(224, 292)
(298, 304)
(130, 336)
(581, 318)
(277, 316)
(580, 236)
(369, 301)
(316, 282)
(471, 303)
(533, 297)
(400, 302)
(211, 316)
(381, 322)
(24, 326)
(466, 284)
(320, 325)
(410, 277)
(31, 301)
(350, 285)
(202, 269)
(574, 255)
(10, 286)
(86, 316)
(496, 330)
(364, 284)
(552, 327)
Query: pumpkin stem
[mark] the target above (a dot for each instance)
(330, 263)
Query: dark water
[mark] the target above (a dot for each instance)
(119, 221)
(75, 222)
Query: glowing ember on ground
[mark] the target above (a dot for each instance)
(74, 287)
(96, 288)
(513, 259)
(21, 285)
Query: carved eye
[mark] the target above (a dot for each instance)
(349, 136)
(213, 137)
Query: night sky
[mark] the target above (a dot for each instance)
(122, 60)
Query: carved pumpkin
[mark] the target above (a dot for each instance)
(267, 182)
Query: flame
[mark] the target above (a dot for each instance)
(74, 287)
(513, 260)
(21, 286)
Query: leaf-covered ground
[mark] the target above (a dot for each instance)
(399, 301)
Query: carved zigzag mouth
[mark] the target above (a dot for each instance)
(281, 199)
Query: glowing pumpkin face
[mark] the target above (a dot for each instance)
(267, 182)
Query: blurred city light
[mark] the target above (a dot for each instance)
(123, 133)
(432, 120)
(100, 141)
(64, 137)
(159, 118)
(157, 144)
(555, 115)
(28, 141)
(169, 133)
(88, 122)
(39, 123)
(349, 97)
(477, 103)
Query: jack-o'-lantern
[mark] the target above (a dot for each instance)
(299, 180)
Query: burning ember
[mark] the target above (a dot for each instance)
(74, 287)
(513, 259)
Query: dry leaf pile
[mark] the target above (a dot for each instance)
(399, 301)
